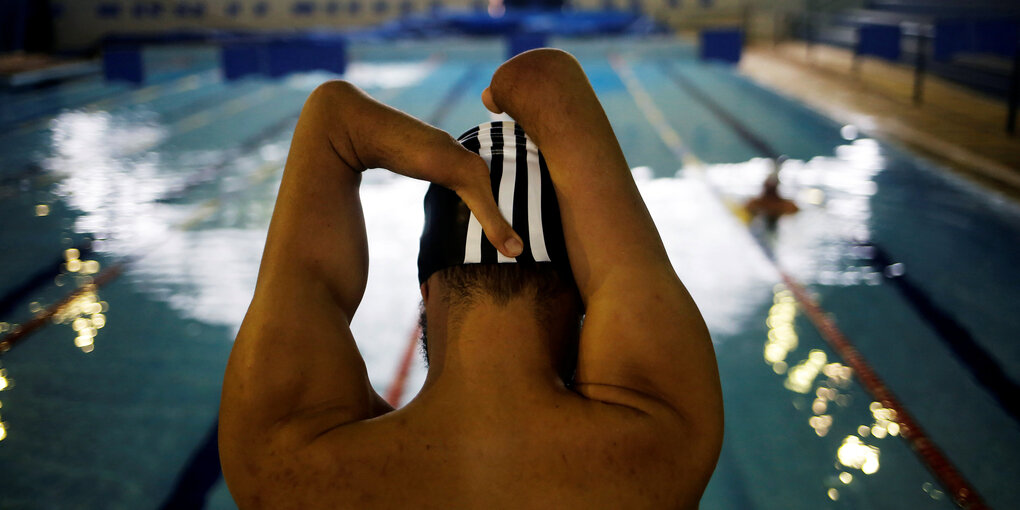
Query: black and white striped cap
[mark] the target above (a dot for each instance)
(523, 190)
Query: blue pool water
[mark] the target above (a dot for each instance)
(109, 404)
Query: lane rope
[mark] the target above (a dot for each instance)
(981, 364)
(395, 392)
(963, 493)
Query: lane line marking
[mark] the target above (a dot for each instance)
(395, 392)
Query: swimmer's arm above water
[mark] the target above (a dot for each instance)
(295, 371)
(644, 343)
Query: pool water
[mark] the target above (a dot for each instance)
(109, 404)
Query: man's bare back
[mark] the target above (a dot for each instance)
(552, 449)
(495, 425)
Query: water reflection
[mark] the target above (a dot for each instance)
(369, 75)
(830, 384)
(834, 194)
(200, 254)
(849, 132)
(854, 453)
(5, 383)
(86, 315)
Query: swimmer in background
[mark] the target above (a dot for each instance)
(770, 205)
(523, 406)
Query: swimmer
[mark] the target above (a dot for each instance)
(770, 205)
(523, 406)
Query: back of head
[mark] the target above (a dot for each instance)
(454, 250)
(550, 292)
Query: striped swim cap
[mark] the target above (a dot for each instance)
(523, 190)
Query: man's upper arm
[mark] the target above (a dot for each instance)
(644, 343)
(295, 370)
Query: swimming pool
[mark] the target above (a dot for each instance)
(114, 397)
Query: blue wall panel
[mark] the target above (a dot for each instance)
(519, 43)
(123, 64)
(879, 40)
(724, 44)
(280, 56)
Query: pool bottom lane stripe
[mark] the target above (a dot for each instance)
(986, 370)
(963, 493)
(199, 476)
(763, 147)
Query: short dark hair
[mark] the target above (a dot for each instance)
(543, 283)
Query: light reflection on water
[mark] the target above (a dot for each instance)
(830, 384)
(114, 192)
(202, 258)
(834, 195)
(207, 271)
(5, 383)
(195, 241)
(369, 75)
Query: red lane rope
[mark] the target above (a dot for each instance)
(40, 320)
(396, 390)
(962, 492)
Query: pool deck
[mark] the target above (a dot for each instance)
(956, 127)
(26, 69)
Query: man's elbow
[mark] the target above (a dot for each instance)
(544, 62)
(333, 93)
(535, 73)
(330, 98)
(328, 110)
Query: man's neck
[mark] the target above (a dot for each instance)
(496, 350)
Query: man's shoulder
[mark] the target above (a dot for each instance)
(572, 450)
